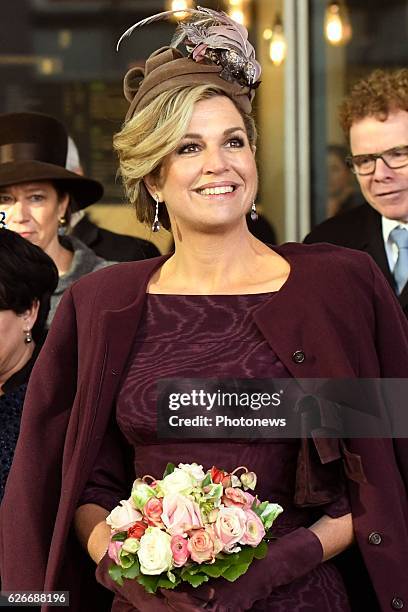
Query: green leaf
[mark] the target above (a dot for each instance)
(235, 571)
(213, 570)
(245, 555)
(119, 537)
(195, 580)
(133, 571)
(234, 558)
(207, 481)
(165, 583)
(263, 506)
(170, 467)
(261, 550)
(150, 583)
(115, 572)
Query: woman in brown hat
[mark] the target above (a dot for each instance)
(223, 305)
(37, 193)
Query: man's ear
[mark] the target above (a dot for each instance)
(253, 148)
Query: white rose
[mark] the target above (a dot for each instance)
(194, 470)
(122, 517)
(178, 481)
(155, 554)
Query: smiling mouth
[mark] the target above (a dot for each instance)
(217, 190)
(388, 193)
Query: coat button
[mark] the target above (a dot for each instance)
(374, 538)
(397, 603)
(114, 372)
(298, 357)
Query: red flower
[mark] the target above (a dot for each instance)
(137, 530)
(220, 477)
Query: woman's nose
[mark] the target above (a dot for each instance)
(216, 161)
(19, 211)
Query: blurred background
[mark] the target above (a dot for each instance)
(59, 57)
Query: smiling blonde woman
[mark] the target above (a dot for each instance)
(225, 306)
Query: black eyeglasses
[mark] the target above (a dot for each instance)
(394, 158)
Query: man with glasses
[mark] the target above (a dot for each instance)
(375, 120)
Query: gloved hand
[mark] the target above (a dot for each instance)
(288, 558)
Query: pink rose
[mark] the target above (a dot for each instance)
(204, 544)
(234, 497)
(230, 526)
(180, 514)
(179, 549)
(114, 550)
(254, 531)
(152, 510)
(250, 500)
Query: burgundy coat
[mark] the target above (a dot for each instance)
(335, 307)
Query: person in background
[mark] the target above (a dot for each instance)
(374, 118)
(28, 278)
(104, 243)
(38, 194)
(341, 184)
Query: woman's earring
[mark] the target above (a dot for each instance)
(156, 223)
(62, 230)
(27, 336)
(254, 214)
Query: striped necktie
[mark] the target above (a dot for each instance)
(399, 235)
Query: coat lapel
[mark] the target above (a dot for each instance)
(116, 333)
(286, 322)
(372, 242)
(109, 348)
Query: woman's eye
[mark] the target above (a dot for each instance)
(190, 147)
(36, 197)
(5, 199)
(236, 143)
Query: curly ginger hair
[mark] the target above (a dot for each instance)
(375, 96)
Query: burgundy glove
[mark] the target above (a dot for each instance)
(133, 596)
(288, 558)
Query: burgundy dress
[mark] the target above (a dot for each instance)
(195, 336)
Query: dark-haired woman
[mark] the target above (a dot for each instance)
(37, 193)
(28, 277)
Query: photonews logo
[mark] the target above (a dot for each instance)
(2, 220)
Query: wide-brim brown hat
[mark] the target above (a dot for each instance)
(33, 147)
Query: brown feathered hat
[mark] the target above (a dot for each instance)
(219, 54)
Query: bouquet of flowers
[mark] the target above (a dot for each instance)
(189, 526)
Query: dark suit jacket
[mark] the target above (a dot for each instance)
(335, 310)
(112, 246)
(361, 229)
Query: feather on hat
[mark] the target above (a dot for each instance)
(212, 39)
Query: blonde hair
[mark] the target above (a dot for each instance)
(152, 134)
